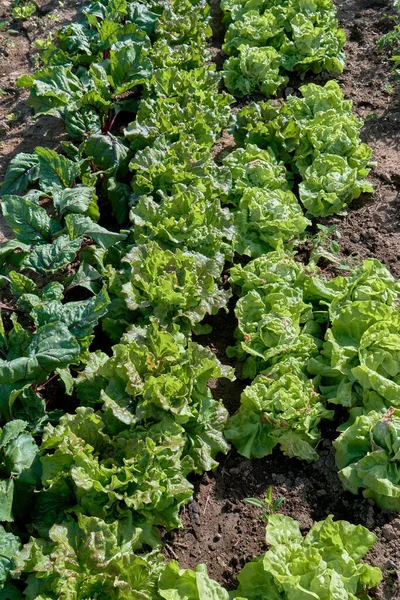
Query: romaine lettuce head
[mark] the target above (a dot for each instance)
(279, 407)
(368, 457)
(267, 220)
(254, 70)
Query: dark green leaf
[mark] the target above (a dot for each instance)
(22, 170)
(51, 257)
(30, 222)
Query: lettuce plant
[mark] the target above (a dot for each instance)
(154, 375)
(174, 287)
(275, 322)
(325, 564)
(87, 558)
(251, 167)
(267, 220)
(163, 165)
(279, 407)
(317, 137)
(254, 70)
(367, 456)
(253, 30)
(329, 185)
(204, 118)
(358, 364)
(186, 219)
(103, 474)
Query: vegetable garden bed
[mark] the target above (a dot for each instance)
(104, 452)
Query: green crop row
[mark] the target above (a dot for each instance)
(266, 39)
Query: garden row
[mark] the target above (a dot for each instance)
(86, 483)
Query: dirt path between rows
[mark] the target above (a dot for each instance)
(373, 228)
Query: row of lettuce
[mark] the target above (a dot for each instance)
(90, 478)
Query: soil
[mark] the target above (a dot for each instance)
(372, 226)
(219, 528)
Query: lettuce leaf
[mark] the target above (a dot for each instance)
(367, 456)
(279, 407)
(254, 70)
(324, 565)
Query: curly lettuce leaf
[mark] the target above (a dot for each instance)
(367, 456)
(267, 220)
(254, 70)
(279, 407)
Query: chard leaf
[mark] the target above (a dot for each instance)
(143, 17)
(30, 222)
(51, 347)
(6, 503)
(9, 547)
(76, 200)
(56, 171)
(52, 89)
(21, 284)
(86, 121)
(87, 277)
(49, 258)
(129, 66)
(22, 171)
(108, 152)
(79, 226)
